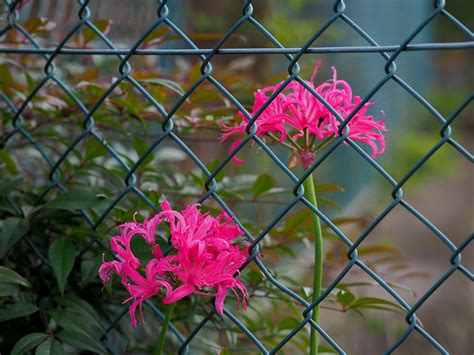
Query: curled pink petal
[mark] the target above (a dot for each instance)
(179, 293)
(232, 148)
(220, 297)
(108, 268)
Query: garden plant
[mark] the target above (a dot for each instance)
(165, 207)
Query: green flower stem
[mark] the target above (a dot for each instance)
(325, 142)
(164, 327)
(310, 194)
(295, 144)
(276, 139)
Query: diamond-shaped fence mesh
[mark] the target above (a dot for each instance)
(32, 47)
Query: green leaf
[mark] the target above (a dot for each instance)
(88, 35)
(6, 78)
(345, 298)
(379, 308)
(347, 285)
(12, 230)
(8, 161)
(38, 25)
(7, 185)
(326, 350)
(27, 210)
(156, 36)
(81, 341)
(28, 342)
(211, 167)
(10, 276)
(328, 202)
(377, 249)
(307, 291)
(132, 108)
(94, 149)
(288, 323)
(170, 84)
(263, 183)
(141, 147)
(297, 219)
(61, 254)
(49, 347)
(254, 277)
(17, 310)
(286, 249)
(327, 187)
(7, 289)
(77, 199)
(67, 319)
(81, 306)
(348, 220)
(75, 321)
(376, 303)
(89, 270)
(29, 80)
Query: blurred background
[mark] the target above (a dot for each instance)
(441, 190)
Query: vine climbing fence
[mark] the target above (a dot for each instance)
(17, 128)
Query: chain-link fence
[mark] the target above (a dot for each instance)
(163, 10)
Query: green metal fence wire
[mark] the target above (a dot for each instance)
(163, 9)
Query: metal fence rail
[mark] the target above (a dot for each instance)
(389, 54)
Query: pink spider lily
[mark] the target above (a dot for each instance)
(127, 265)
(205, 258)
(298, 119)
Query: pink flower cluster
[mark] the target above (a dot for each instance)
(205, 259)
(296, 110)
